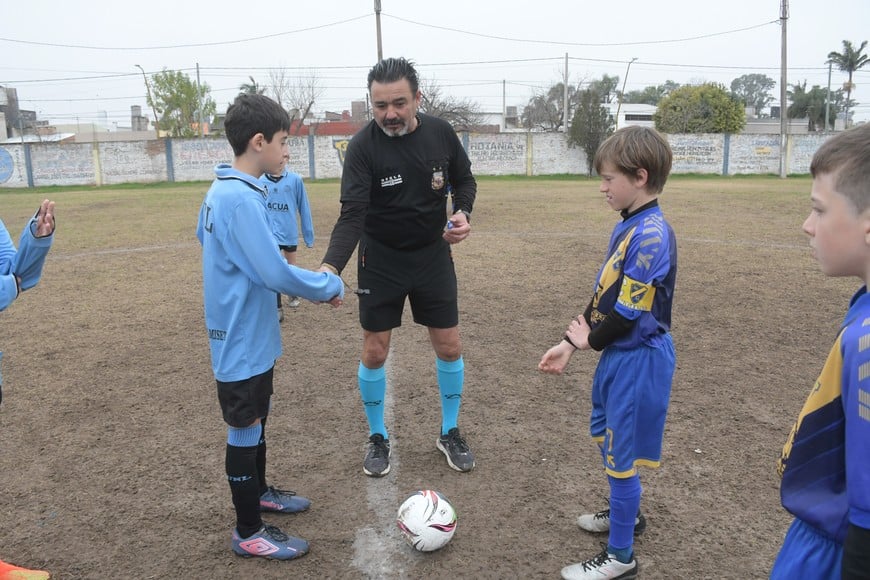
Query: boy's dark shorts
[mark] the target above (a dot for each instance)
(243, 402)
(387, 276)
(288, 248)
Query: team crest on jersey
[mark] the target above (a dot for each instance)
(636, 295)
(437, 180)
(637, 292)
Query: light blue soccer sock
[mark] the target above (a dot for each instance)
(624, 504)
(451, 377)
(373, 389)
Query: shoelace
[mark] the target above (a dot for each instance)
(602, 515)
(275, 533)
(456, 441)
(280, 492)
(379, 448)
(596, 561)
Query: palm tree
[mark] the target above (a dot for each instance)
(252, 88)
(849, 61)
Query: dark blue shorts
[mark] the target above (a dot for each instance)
(387, 276)
(243, 402)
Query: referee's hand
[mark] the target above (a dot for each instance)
(457, 229)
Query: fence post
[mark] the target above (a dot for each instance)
(28, 164)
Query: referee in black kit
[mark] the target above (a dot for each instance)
(394, 188)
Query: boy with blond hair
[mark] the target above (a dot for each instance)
(629, 320)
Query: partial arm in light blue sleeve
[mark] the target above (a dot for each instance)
(8, 286)
(252, 248)
(305, 214)
(31, 255)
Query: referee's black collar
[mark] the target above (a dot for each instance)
(626, 214)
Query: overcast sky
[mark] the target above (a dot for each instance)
(495, 53)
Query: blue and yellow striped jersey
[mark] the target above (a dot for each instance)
(637, 278)
(825, 464)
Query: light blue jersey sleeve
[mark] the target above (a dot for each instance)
(304, 209)
(25, 263)
(250, 245)
(8, 287)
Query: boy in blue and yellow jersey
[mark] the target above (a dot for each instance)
(825, 464)
(629, 320)
(242, 270)
(286, 198)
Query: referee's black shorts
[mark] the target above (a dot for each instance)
(387, 276)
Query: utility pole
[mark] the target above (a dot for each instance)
(150, 101)
(828, 99)
(621, 94)
(565, 98)
(503, 104)
(783, 96)
(378, 23)
(199, 102)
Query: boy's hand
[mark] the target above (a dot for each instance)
(335, 302)
(578, 333)
(556, 359)
(45, 219)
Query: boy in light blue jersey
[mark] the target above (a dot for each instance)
(825, 463)
(629, 320)
(20, 270)
(286, 198)
(242, 271)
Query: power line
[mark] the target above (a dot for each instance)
(194, 45)
(563, 43)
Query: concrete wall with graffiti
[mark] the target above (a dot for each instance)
(321, 157)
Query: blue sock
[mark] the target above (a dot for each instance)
(372, 389)
(451, 376)
(624, 505)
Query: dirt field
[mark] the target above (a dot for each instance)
(113, 443)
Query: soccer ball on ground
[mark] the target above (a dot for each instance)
(427, 520)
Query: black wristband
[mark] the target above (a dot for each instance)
(571, 342)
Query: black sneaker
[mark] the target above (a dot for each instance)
(456, 450)
(377, 461)
(598, 523)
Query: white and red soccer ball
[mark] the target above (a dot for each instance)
(427, 520)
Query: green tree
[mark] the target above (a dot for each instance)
(753, 91)
(179, 102)
(652, 94)
(707, 108)
(850, 60)
(606, 88)
(252, 88)
(810, 104)
(591, 125)
(544, 110)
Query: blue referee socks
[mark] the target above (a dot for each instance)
(373, 389)
(451, 376)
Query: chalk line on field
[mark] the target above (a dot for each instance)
(377, 548)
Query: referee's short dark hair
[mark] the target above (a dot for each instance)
(390, 70)
(251, 114)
